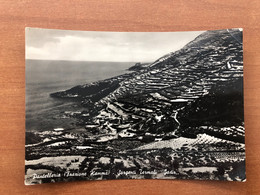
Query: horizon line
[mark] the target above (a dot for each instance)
(87, 60)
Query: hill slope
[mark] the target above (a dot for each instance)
(148, 100)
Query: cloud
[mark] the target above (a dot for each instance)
(50, 44)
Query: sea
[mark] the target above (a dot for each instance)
(44, 77)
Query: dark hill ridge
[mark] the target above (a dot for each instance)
(148, 101)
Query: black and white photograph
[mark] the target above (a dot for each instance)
(134, 105)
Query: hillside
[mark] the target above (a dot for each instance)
(148, 100)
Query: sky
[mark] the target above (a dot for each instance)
(50, 44)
